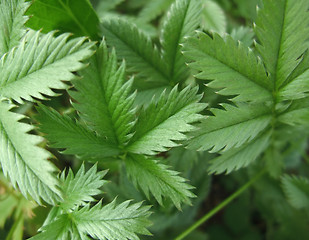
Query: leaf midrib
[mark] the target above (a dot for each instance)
(233, 69)
(240, 122)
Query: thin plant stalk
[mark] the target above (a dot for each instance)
(220, 206)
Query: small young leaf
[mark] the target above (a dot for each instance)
(80, 188)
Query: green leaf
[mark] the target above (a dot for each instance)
(75, 16)
(107, 5)
(39, 63)
(156, 178)
(296, 117)
(104, 97)
(12, 22)
(166, 121)
(297, 86)
(60, 229)
(142, 56)
(79, 189)
(237, 158)
(153, 9)
(112, 221)
(181, 20)
(63, 132)
(231, 127)
(282, 29)
(23, 161)
(233, 69)
(244, 35)
(146, 28)
(213, 17)
(296, 190)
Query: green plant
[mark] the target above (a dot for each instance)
(155, 108)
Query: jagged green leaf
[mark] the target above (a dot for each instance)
(12, 22)
(75, 16)
(153, 9)
(181, 20)
(79, 189)
(23, 161)
(147, 28)
(166, 121)
(107, 5)
(231, 127)
(297, 85)
(232, 68)
(244, 35)
(113, 221)
(155, 177)
(296, 190)
(60, 229)
(39, 63)
(104, 97)
(282, 29)
(63, 132)
(213, 17)
(143, 58)
(237, 158)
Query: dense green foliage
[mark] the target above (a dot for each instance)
(158, 98)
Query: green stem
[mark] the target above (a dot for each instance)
(220, 206)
